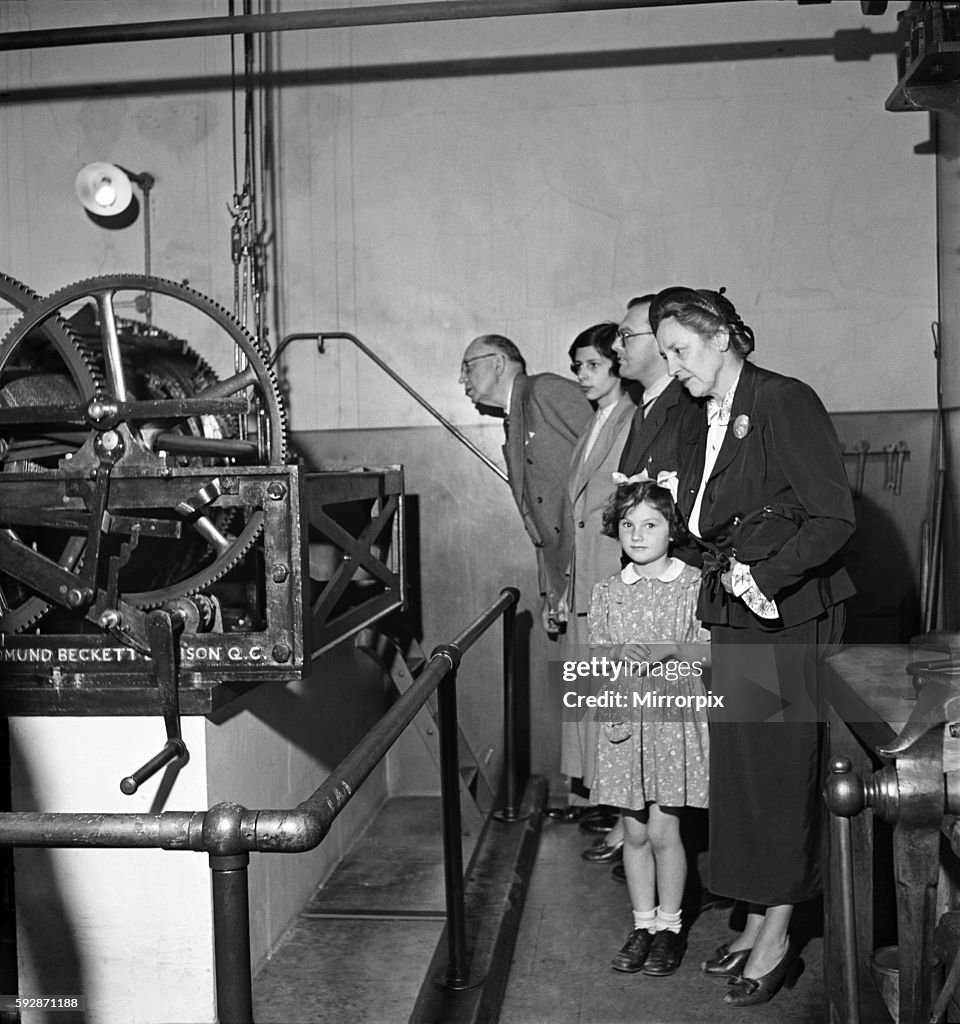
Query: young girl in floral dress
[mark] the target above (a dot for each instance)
(654, 762)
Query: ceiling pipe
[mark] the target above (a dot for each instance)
(291, 21)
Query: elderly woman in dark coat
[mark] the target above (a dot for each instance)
(762, 485)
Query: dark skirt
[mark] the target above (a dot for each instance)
(765, 760)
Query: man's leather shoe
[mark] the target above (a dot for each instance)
(600, 821)
(601, 853)
(634, 952)
(619, 873)
(569, 815)
(665, 954)
(726, 963)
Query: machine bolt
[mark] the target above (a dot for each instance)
(279, 573)
(281, 653)
(110, 619)
(100, 411)
(276, 490)
(77, 596)
(109, 440)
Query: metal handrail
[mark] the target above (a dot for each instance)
(228, 832)
(322, 336)
(288, 21)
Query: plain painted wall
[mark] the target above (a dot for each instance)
(524, 175)
(588, 157)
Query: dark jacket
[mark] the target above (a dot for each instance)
(547, 414)
(654, 441)
(789, 455)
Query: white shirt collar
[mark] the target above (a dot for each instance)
(629, 574)
(506, 408)
(656, 390)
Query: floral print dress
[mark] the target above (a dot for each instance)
(660, 754)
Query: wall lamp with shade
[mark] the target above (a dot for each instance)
(106, 192)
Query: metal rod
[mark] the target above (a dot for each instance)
(457, 975)
(461, 437)
(509, 596)
(171, 751)
(231, 938)
(510, 812)
(851, 981)
(111, 346)
(292, 830)
(936, 537)
(338, 17)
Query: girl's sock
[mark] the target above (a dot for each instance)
(668, 922)
(645, 919)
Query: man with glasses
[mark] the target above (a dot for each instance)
(544, 414)
(665, 411)
(665, 416)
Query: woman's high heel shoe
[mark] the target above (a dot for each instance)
(726, 963)
(754, 991)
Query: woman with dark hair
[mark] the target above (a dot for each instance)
(762, 485)
(595, 556)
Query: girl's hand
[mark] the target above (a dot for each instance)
(630, 652)
(666, 650)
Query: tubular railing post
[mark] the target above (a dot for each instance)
(457, 975)
(510, 811)
(228, 831)
(231, 938)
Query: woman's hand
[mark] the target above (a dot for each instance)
(726, 578)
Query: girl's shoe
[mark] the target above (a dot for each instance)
(754, 991)
(726, 963)
(634, 952)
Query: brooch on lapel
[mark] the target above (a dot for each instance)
(741, 426)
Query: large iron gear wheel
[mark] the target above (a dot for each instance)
(53, 368)
(99, 369)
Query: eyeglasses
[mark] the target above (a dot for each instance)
(465, 365)
(625, 336)
(591, 364)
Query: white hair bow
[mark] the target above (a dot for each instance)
(669, 480)
(620, 479)
(665, 478)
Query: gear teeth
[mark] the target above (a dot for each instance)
(64, 341)
(86, 362)
(200, 581)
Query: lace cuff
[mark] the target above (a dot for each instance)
(747, 590)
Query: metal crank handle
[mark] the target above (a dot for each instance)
(171, 751)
